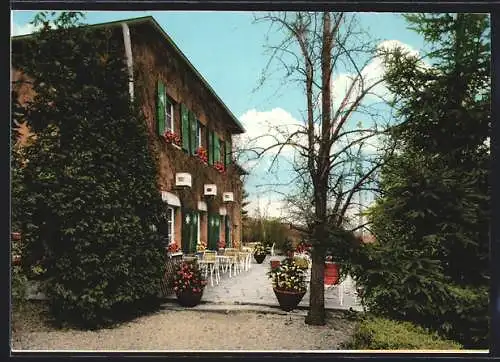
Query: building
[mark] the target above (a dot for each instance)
(186, 121)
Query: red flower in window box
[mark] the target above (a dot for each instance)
(173, 248)
(219, 166)
(172, 137)
(202, 154)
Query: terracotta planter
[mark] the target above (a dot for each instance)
(189, 298)
(275, 264)
(331, 273)
(288, 300)
(259, 258)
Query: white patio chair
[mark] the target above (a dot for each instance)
(210, 264)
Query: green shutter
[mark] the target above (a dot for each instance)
(210, 147)
(186, 231)
(228, 152)
(193, 129)
(216, 149)
(160, 102)
(194, 231)
(185, 127)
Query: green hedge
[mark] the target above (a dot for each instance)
(379, 333)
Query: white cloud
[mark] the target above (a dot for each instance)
(371, 73)
(265, 129)
(16, 29)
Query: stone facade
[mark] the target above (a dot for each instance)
(155, 59)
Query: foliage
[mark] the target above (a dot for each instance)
(289, 276)
(259, 249)
(201, 246)
(301, 262)
(268, 231)
(188, 277)
(385, 334)
(18, 284)
(90, 197)
(432, 221)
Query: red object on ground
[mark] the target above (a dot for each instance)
(275, 264)
(16, 236)
(331, 273)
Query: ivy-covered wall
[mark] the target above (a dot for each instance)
(155, 59)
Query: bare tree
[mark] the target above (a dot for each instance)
(331, 157)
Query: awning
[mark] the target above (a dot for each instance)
(170, 198)
(202, 206)
(222, 211)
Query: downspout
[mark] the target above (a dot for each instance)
(130, 62)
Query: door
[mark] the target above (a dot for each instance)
(213, 231)
(189, 231)
(229, 239)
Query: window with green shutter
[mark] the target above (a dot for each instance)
(160, 110)
(229, 150)
(210, 135)
(216, 149)
(185, 127)
(193, 127)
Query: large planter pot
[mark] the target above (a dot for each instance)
(189, 298)
(288, 300)
(275, 264)
(331, 273)
(259, 258)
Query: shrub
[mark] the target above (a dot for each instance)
(379, 333)
(406, 278)
(91, 197)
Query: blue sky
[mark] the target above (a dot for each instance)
(228, 50)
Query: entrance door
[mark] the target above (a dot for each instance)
(229, 239)
(189, 231)
(213, 231)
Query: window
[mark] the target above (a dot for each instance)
(165, 110)
(169, 115)
(198, 134)
(170, 224)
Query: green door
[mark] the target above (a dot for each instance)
(213, 231)
(229, 240)
(189, 231)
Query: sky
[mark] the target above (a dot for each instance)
(228, 50)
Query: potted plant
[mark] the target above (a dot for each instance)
(332, 272)
(188, 283)
(201, 246)
(221, 244)
(289, 284)
(259, 253)
(173, 249)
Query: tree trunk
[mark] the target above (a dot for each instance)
(316, 314)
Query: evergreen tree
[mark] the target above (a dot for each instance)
(432, 222)
(91, 197)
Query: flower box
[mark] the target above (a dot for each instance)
(172, 138)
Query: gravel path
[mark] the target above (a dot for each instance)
(193, 330)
